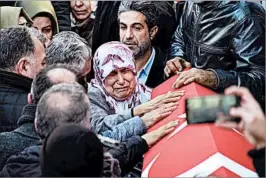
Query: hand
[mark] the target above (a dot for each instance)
(203, 77)
(253, 123)
(154, 136)
(154, 116)
(175, 65)
(170, 97)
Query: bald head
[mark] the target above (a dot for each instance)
(61, 104)
(61, 75)
(50, 76)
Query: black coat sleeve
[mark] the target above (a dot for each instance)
(258, 157)
(129, 155)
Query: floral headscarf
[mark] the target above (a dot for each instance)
(109, 57)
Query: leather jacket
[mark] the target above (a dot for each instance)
(227, 37)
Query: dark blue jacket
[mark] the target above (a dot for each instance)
(17, 140)
(14, 90)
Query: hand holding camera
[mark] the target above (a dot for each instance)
(252, 120)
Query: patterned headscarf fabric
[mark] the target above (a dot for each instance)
(108, 58)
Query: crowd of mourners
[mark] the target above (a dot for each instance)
(76, 79)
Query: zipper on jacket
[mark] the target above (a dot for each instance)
(194, 34)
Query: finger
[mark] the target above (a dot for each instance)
(166, 109)
(168, 131)
(168, 105)
(240, 126)
(188, 76)
(222, 118)
(163, 115)
(189, 80)
(179, 83)
(228, 124)
(172, 96)
(179, 80)
(187, 64)
(177, 93)
(240, 112)
(171, 124)
(169, 109)
(167, 71)
(177, 63)
(184, 63)
(239, 91)
(174, 65)
(171, 100)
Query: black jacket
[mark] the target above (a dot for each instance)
(156, 75)
(14, 90)
(227, 37)
(24, 136)
(167, 25)
(26, 164)
(258, 157)
(105, 24)
(62, 10)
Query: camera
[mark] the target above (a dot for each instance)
(206, 109)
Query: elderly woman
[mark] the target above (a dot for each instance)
(82, 18)
(118, 98)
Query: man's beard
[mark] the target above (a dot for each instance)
(142, 50)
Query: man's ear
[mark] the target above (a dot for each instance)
(153, 32)
(23, 66)
(30, 98)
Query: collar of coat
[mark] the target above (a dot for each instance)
(10, 79)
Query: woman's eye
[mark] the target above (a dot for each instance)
(112, 74)
(137, 28)
(46, 30)
(125, 71)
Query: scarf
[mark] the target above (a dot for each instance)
(109, 57)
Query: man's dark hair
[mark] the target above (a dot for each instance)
(41, 83)
(61, 104)
(72, 142)
(148, 8)
(15, 43)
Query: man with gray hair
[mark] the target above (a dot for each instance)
(63, 103)
(25, 135)
(69, 103)
(69, 48)
(21, 58)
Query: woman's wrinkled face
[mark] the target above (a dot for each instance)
(120, 83)
(81, 9)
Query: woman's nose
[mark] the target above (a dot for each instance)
(120, 78)
(79, 3)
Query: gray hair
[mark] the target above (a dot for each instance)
(15, 43)
(42, 82)
(40, 36)
(61, 104)
(68, 48)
